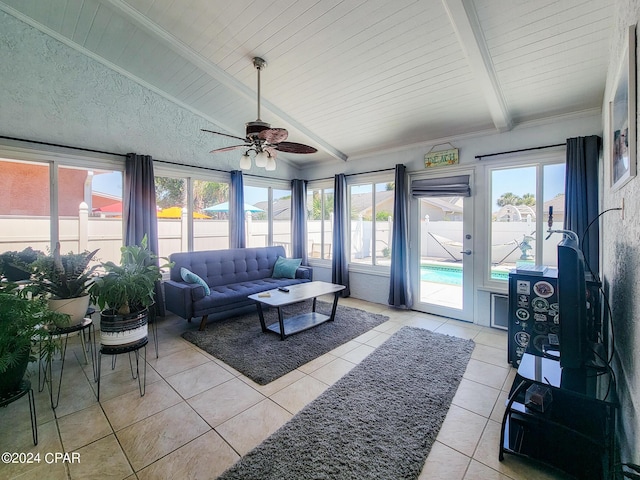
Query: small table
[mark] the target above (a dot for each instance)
(53, 331)
(297, 293)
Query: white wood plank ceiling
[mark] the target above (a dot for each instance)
(350, 76)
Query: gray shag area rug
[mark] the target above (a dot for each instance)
(377, 422)
(263, 357)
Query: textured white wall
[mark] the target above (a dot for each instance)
(52, 93)
(621, 263)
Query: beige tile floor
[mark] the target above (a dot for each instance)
(199, 416)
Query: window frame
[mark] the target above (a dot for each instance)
(539, 160)
(270, 184)
(373, 179)
(65, 157)
(322, 186)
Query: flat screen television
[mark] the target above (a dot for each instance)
(572, 305)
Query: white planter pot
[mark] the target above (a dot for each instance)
(76, 308)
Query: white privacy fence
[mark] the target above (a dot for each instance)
(89, 233)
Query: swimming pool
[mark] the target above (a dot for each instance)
(452, 275)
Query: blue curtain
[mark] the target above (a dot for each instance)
(299, 220)
(581, 194)
(340, 258)
(140, 216)
(237, 235)
(399, 279)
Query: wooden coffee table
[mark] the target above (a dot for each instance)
(297, 293)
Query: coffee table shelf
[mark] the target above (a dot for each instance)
(299, 323)
(303, 291)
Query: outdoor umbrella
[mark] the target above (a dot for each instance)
(176, 212)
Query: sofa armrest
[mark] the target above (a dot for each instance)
(179, 297)
(305, 273)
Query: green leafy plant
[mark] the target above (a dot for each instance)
(23, 322)
(62, 276)
(128, 287)
(21, 261)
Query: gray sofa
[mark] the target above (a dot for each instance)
(231, 275)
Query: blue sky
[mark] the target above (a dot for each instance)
(517, 181)
(523, 180)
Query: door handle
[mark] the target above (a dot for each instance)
(466, 252)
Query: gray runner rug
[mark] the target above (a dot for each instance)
(377, 422)
(263, 357)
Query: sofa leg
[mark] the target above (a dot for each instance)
(203, 322)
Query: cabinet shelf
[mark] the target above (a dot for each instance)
(575, 433)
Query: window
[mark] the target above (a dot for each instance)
(281, 213)
(268, 216)
(100, 225)
(520, 201)
(209, 206)
(210, 215)
(24, 206)
(86, 213)
(320, 222)
(371, 222)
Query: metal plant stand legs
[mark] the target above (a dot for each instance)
(24, 389)
(135, 348)
(86, 326)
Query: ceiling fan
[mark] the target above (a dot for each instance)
(261, 139)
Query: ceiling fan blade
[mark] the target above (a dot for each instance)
(292, 147)
(224, 134)
(273, 135)
(232, 147)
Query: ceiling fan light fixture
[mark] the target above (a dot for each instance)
(271, 164)
(245, 161)
(261, 159)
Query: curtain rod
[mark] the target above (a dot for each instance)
(352, 174)
(122, 155)
(480, 157)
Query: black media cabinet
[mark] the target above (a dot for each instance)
(576, 431)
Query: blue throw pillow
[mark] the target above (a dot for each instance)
(286, 267)
(190, 277)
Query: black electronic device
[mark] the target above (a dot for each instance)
(283, 289)
(572, 305)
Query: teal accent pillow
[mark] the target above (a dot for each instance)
(286, 267)
(190, 277)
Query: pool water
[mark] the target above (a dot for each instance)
(451, 275)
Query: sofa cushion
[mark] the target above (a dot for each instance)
(286, 267)
(190, 277)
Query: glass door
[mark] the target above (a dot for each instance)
(443, 259)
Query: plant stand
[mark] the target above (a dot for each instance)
(24, 389)
(129, 348)
(86, 324)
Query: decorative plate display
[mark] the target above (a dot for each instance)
(540, 304)
(522, 314)
(543, 289)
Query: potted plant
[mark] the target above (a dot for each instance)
(124, 294)
(65, 279)
(16, 266)
(22, 324)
